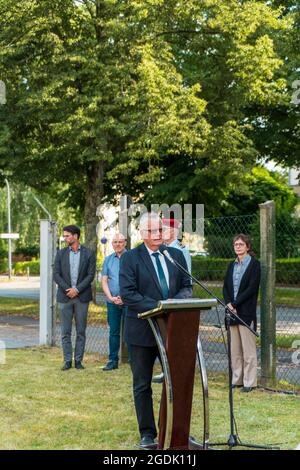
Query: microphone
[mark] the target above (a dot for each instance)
(162, 247)
(164, 251)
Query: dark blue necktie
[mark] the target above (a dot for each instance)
(161, 276)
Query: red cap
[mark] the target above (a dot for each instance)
(174, 223)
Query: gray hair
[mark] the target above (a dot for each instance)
(119, 236)
(148, 217)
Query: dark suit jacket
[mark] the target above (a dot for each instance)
(86, 274)
(140, 290)
(246, 299)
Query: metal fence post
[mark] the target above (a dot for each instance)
(267, 293)
(53, 285)
(47, 289)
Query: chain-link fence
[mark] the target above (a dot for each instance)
(210, 269)
(97, 332)
(288, 298)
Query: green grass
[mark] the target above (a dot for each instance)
(286, 341)
(282, 341)
(284, 297)
(287, 297)
(12, 306)
(45, 408)
(30, 308)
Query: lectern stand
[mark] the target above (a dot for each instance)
(175, 324)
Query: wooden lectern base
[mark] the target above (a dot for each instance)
(175, 325)
(180, 333)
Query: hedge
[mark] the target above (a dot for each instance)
(214, 269)
(209, 269)
(288, 271)
(21, 267)
(204, 268)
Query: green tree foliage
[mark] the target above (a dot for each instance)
(228, 48)
(25, 217)
(239, 210)
(87, 84)
(258, 186)
(277, 131)
(153, 97)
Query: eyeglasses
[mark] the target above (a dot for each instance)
(239, 244)
(154, 230)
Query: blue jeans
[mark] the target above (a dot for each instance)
(114, 317)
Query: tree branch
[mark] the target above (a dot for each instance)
(190, 31)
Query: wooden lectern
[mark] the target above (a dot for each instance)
(175, 324)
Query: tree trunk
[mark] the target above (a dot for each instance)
(94, 195)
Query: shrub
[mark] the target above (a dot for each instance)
(29, 251)
(21, 267)
(3, 265)
(288, 271)
(214, 269)
(210, 268)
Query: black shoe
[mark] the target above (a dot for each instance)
(158, 379)
(78, 365)
(147, 441)
(110, 366)
(247, 389)
(236, 386)
(67, 365)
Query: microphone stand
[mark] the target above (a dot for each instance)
(233, 440)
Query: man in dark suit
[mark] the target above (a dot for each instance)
(146, 277)
(74, 272)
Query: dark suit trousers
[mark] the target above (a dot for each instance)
(142, 361)
(66, 312)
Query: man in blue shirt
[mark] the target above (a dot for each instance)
(115, 307)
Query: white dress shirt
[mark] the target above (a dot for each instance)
(163, 264)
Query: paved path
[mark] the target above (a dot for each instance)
(18, 331)
(26, 288)
(20, 287)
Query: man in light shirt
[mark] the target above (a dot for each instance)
(115, 307)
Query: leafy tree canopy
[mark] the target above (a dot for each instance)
(158, 98)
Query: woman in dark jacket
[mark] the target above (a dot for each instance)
(240, 292)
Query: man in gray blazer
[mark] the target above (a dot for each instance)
(74, 272)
